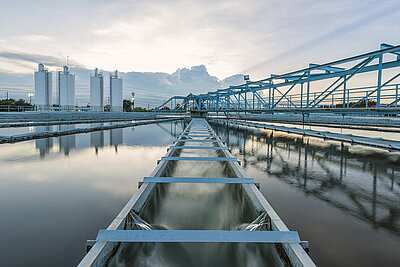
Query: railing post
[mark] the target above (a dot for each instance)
(378, 90)
(332, 100)
(366, 99)
(397, 94)
(348, 98)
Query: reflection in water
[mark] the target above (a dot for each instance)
(362, 183)
(365, 183)
(97, 139)
(100, 139)
(45, 144)
(116, 138)
(69, 198)
(67, 142)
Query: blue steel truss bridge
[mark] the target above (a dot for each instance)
(366, 84)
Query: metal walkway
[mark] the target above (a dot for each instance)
(107, 240)
(391, 145)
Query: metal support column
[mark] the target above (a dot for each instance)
(269, 96)
(344, 91)
(308, 89)
(301, 96)
(378, 91)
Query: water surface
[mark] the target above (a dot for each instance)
(344, 199)
(56, 193)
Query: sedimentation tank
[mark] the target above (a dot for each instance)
(211, 215)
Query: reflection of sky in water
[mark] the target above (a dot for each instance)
(56, 193)
(344, 199)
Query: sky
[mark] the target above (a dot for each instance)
(256, 37)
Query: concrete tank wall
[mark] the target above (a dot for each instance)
(43, 89)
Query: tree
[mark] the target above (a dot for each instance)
(13, 102)
(127, 105)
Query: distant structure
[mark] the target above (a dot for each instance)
(66, 89)
(43, 89)
(97, 91)
(115, 93)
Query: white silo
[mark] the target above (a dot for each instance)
(66, 89)
(115, 92)
(43, 89)
(97, 91)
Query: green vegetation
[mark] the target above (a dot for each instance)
(14, 102)
(371, 103)
(127, 107)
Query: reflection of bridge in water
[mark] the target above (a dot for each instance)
(328, 171)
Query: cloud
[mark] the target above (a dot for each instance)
(149, 87)
(154, 38)
(35, 38)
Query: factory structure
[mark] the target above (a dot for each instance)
(97, 91)
(65, 94)
(115, 93)
(43, 89)
(66, 89)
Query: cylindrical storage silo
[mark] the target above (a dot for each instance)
(96, 91)
(115, 93)
(66, 89)
(43, 89)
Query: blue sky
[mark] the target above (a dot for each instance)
(228, 37)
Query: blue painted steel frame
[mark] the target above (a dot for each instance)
(259, 96)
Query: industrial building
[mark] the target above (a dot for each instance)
(97, 91)
(43, 89)
(66, 89)
(115, 93)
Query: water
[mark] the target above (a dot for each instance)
(344, 199)
(56, 193)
